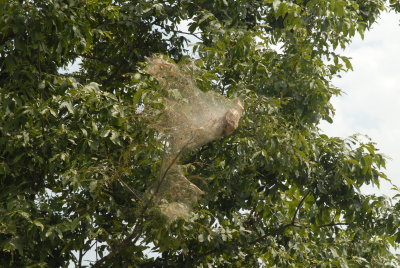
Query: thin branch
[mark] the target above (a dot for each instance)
(176, 31)
(80, 259)
(278, 230)
(188, 33)
(91, 57)
(298, 207)
(90, 247)
(162, 179)
(130, 189)
(134, 236)
(334, 224)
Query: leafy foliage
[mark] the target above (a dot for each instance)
(78, 150)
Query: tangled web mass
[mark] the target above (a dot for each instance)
(191, 118)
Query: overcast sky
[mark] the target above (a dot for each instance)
(371, 103)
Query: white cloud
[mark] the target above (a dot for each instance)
(371, 103)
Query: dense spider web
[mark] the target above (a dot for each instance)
(190, 118)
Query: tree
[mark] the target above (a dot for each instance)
(79, 150)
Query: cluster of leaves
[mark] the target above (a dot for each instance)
(78, 150)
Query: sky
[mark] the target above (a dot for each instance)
(371, 101)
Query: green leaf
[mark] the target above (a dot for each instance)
(67, 105)
(38, 224)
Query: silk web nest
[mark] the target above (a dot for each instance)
(190, 118)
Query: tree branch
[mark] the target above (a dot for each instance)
(134, 236)
(176, 31)
(278, 230)
(188, 33)
(334, 224)
(135, 194)
(80, 259)
(91, 57)
(298, 207)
